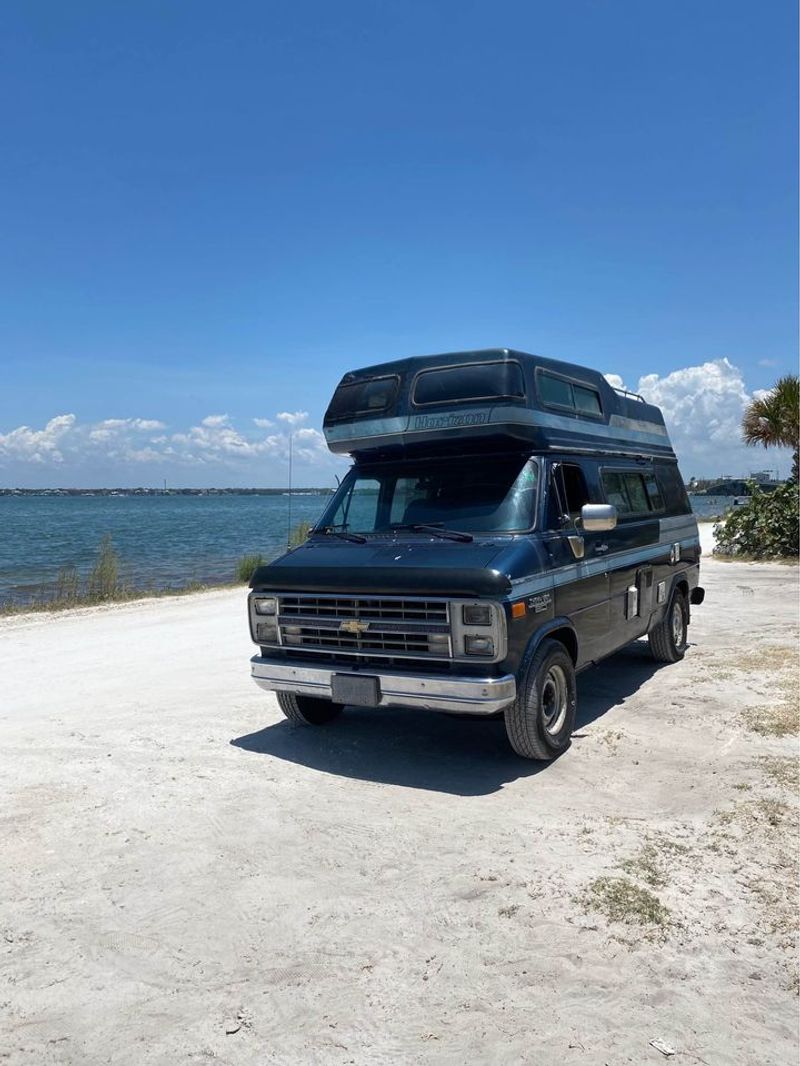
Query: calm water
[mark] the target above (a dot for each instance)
(162, 541)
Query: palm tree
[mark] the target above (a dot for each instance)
(774, 419)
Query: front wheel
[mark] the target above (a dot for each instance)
(540, 721)
(669, 638)
(307, 710)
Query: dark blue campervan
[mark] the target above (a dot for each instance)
(508, 521)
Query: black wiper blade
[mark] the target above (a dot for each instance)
(440, 531)
(329, 531)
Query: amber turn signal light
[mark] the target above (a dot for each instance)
(518, 609)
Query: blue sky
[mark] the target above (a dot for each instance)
(215, 210)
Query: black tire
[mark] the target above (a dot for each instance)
(308, 710)
(669, 638)
(540, 721)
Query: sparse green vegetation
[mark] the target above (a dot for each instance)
(783, 771)
(620, 900)
(299, 534)
(247, 566)
(103, 582)
(646, 866)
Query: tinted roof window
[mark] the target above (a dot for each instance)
(370, 396)
(476, 381)
(555, 390)
(563, 393)
(586, 400)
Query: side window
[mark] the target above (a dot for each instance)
(568, 494)
(555, 390)
(654, 492)
(634, 483)
(587, 401)
(672, 489)
(559, 392)
(630, 492)
(614, 486)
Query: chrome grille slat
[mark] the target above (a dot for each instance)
(396, 627)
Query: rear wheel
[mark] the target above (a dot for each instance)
(307, 710)
(540, 721)
(669, 638)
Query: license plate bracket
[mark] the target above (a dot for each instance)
(356, 689)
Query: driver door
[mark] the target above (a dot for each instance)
(581, 583)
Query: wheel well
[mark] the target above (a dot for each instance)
(683, 585)
(566, 637)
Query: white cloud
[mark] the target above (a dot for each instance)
(214, 441)
(292, 418)
(703, 407)
(615, 381)
(767, 362)
(37, 445)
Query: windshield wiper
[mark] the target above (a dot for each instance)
(438, 531)
(330, 531)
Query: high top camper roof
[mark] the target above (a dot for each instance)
(492, 398)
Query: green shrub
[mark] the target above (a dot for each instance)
(247, 566)
(765, 527)
(299, 534)
(103, 581)
(68, 586)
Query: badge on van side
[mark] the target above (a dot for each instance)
(540, 603)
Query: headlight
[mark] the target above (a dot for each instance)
(478, 645)
(264, 604)
(476, 614)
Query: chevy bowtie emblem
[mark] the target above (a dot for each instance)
(353, 625)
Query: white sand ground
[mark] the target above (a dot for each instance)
(177, 861)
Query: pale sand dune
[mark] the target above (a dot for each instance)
(398, 888)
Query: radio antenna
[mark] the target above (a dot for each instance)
(289, 517)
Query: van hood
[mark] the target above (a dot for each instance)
(417, 567)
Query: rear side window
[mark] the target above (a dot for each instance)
(672, 489)
(559, 392)
(370, 396)
(474, 381)
(630, 492)
(654, 492)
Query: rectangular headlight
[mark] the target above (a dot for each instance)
(478, 645)
(476, 614)
(264, 604)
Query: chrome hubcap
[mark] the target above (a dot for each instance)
(554, 700)
(678, 627)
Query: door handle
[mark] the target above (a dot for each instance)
(600, 548)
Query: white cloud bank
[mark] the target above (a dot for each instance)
(214, 442)
(702, 406)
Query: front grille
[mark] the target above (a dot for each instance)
(382, 628)
(342, 607)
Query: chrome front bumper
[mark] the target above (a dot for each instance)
(429, 692)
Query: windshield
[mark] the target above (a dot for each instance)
(478, 494)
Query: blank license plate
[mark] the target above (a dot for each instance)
(360, 691)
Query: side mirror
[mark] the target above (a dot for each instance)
(598, 517)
